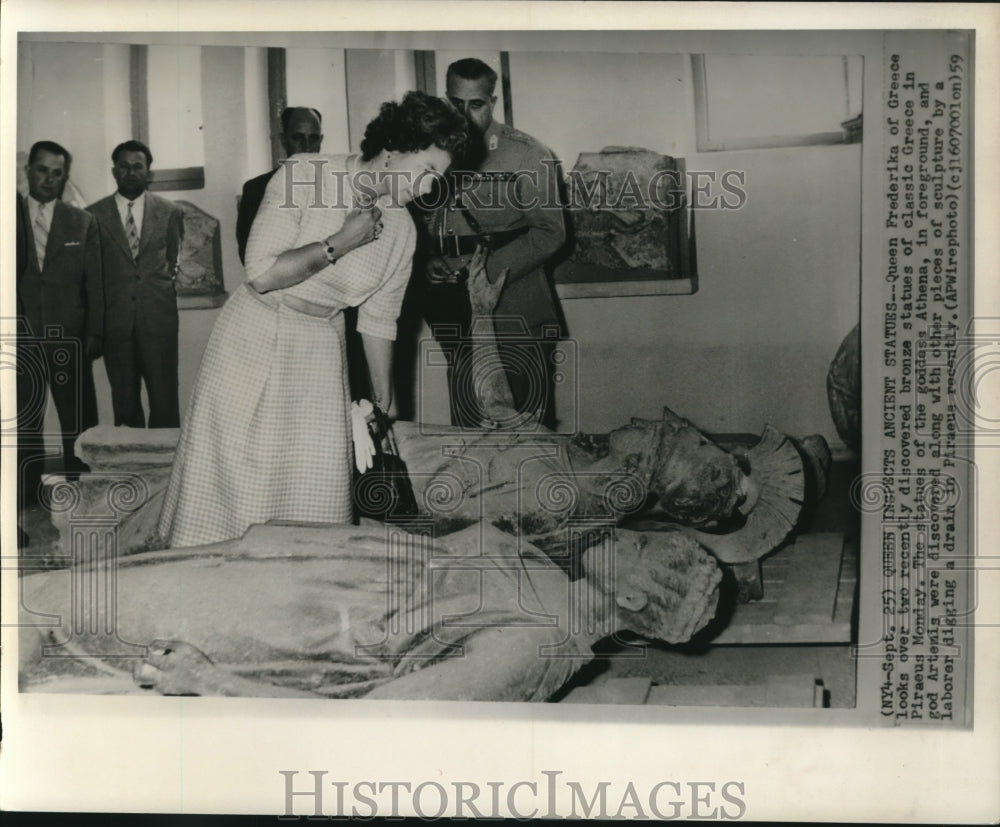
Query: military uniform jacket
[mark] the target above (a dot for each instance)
(140, 293)
(67, 289)
(515, 187)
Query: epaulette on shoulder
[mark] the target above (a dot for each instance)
(512, 134)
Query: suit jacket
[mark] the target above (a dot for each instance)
(250, 199)
(67, 290)
(140, 294)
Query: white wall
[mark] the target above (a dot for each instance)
(316, 79)
(583, 102)
(372, 77)
(174, 101)
(258, 126)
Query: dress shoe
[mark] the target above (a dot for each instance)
(73, 467)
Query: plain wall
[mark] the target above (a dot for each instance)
(372, 79)
(577, 103)
(316, 78)
(174, 101)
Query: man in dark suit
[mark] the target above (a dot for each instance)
(301, 131)
(141, 237)
(60, 304)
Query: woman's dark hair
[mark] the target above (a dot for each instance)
(416, 123)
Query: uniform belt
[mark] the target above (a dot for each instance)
(295, 303)
(453, 246)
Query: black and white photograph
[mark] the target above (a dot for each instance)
(503, 418)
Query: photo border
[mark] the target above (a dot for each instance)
(182, 754)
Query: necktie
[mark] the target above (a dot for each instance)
(41, 236)
(132, 232)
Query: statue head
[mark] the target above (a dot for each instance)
(695, 482)
(665, 586)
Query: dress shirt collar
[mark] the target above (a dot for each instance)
(35, 206)
(138, 208)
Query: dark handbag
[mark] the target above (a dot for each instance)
(384, 491)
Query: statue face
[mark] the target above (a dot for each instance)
(698, 483)
(665, 586)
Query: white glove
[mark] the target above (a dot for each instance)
(364, 446)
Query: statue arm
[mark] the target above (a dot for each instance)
(173, 667)
(490, 383)
(498, 664)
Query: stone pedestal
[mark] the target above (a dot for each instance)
(116, 504)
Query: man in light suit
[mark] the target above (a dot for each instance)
(60, 304)
(141, 237)
(301, 131)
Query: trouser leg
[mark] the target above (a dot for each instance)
(71, 380)
(447, 310)
(158, 366)
(122, 364)
(32, 400)
(528, 365)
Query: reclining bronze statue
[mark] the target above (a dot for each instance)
(345, 611)
(543, 486)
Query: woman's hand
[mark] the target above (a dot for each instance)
(360, 227)
(483, 295)
(291, 267)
